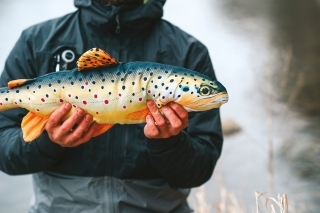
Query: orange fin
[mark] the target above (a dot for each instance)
(32, 126)
(102, 128)
(95, 57)
(18, 82)
(138, 115)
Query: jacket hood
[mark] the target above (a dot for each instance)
(119, 19)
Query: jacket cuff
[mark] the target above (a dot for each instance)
(49, 148)
(163, 144)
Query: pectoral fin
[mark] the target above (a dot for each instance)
(32, 126)
(102, 128)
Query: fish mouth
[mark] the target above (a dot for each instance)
(217, 101)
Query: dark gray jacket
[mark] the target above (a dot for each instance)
(121, 170)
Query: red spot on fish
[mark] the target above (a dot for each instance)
(124, 107)
(0, 104)
(86, 83)
(84, 102)
(95, 96)
(69, 95)
(140, 99)
(149, 91)
(15, 103)
(42, 99)
(97, 113)
(106, 101)
(29, 98)
(74, 106)
(61, 100)
(119, 94)
(38, 110)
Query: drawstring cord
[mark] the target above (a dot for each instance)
(118, 24)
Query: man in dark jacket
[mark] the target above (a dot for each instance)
(130, 168)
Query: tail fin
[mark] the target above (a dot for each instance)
(6, 99)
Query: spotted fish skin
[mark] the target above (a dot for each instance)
(112, 94)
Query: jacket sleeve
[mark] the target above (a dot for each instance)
(188, 159)
(17, 156)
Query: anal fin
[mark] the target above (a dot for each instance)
(102, 128)
(32, 126)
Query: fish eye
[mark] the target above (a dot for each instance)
(204, 90)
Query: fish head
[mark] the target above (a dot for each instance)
(194, 91)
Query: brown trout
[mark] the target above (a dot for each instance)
(110, 91)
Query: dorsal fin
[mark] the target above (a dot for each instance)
(94, 58)
(18, 82)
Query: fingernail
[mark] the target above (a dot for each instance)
(88, 118)
(80, 112)
(67, 106)
(150, 103)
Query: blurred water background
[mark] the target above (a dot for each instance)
(266, 53)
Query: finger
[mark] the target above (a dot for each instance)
(150, 129)
(55, 118)
(69, 124)
(174, 121)
(157, 116)
(87, 135)
(83, 125)
(181, 112)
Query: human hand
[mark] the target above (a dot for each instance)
(170, 122)
(76, 130)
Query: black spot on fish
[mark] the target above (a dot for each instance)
(102, 87)
(159, 77)
(103, 80)
(175, 75)
(192, 75)
(180, 86)
(152, 81)
(167, 88)
(28, 87)
(162, 84)
(72, 83)
(151, 73)
(148, 69)
(109, 93)
(54, 90)
(80, 79)
(122, 79)
(185, 89)
(112, 81)
(185, 74)
(195, 79)
(62, 87)
(170, 93)
(191, 92)
(6, 99)
(179, 96)
(34, 91)
(20, 100)
(118, 73)
(156, 86)
(82, 87)
(93, 82)
(166, 71)
(17, 91)
(163, 97)
(142, 88)
(133, 94)
(90, 75)
(145, 78)
(69, 78)
(172, 80)
(123, 87)
(89, 90)
(133, 83)
(39, 86)
(77, 97)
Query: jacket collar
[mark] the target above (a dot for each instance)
(119, 19)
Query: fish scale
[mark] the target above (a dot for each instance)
(111, 92)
